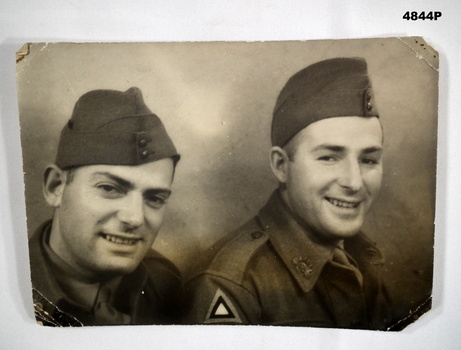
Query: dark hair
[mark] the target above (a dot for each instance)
(291, 147)
(70, 173)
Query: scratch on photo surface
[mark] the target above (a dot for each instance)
(68, 83)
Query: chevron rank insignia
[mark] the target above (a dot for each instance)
(222, 310)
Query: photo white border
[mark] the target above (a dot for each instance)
(207, 20)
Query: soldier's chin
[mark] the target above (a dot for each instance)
(117, 269)
(340, 232)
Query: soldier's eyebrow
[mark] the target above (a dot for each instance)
(369, 150)
(329, 147)
(122, 182)
(338, 149)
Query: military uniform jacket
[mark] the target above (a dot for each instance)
(147, 295)
(269, 272)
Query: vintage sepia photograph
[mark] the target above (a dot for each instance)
(282, 183)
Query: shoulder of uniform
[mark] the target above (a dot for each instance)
(161, 269)
(231, 255)
(361, 247)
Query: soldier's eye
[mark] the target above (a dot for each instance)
(156, 199)
(328, 158)
(156, 202)
(109, 190)
(370, 161)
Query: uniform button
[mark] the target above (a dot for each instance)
(371, 253)
(369, 106)
(368, 96)
(144, 153)
(142, 142)
(256, 234)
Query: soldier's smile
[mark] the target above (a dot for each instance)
(120, 240)
(342, 203)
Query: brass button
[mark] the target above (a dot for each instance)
(142, 142)
(368, 96)
(369, 106)
(144, 153)
(372, 253)
(256, 234)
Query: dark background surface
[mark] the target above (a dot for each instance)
(216, 100)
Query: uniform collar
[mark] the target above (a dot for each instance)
(77, 287)
(303, 254)
(41, 272)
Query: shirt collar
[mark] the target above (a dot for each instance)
(78, 288)
(303, 254)
(44, 280)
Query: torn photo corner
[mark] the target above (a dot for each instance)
(287, 183)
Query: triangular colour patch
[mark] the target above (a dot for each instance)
(222, 310)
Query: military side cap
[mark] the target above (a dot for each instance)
(337, 87)
(114, 128)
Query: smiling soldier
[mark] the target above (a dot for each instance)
(303, 260)
(93, 264)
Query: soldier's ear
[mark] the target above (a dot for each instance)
(54, 181)
(279, 159)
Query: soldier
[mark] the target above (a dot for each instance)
(303, 261)
(93, 264)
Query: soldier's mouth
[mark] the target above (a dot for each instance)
(343, 204)
(119, 240)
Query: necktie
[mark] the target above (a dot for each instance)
(340, 257)
(104, 312)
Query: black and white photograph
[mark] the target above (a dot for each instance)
(285, 183)
(230, 175)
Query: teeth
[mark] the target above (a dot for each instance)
(119, 240)
(343, 204)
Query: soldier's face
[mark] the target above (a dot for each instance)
(335, 174)
(108, 216)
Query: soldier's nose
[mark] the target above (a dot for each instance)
(131, 214)
(351, 176)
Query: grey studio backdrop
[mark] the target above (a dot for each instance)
(216, 101)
